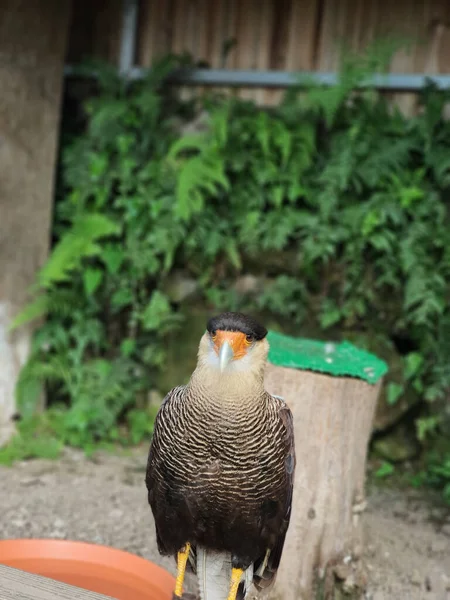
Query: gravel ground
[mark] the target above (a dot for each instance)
(103, 500)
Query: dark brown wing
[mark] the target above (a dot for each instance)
(158, 485)
(267, 577)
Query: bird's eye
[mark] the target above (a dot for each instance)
(248, 340)
(213, 335)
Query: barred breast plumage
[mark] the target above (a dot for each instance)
(220, 467)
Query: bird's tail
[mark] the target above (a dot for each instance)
(214, 575)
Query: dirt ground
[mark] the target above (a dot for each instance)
(103, 500)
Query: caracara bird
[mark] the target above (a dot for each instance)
(221, 466)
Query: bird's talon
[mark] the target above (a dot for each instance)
(236, 576)
(182, 559)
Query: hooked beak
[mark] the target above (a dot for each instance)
(226, 354)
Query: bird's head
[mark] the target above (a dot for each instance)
(234, 343)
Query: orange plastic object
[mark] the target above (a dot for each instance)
(90, 566)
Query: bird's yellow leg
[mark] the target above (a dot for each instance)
(236, 576)
(182, 559)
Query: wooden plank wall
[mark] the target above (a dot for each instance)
(268, 34)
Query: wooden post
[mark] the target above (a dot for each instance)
(32, 49)
(333, 420)
(20, 585)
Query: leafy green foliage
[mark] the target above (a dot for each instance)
(435, 472)
(35, 438)
(335, 199)
(438, 475)
(106, 318)
(385, 470)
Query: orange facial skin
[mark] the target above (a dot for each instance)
(237, 340)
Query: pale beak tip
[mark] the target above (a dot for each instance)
(225, 355)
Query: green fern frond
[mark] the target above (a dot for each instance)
(194, 142)
(33, 375)
(219, 123)
(198, 175)
(76, 244)
(36, 309)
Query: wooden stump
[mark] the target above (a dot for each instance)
(333, 420)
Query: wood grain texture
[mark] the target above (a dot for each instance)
(285, 35)
(19, 585)
(332, 423)
(291, 35)
(95, 30)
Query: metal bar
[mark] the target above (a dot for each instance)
(129, 35)
(283, 79)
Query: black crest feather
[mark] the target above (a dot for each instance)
(234, 321)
